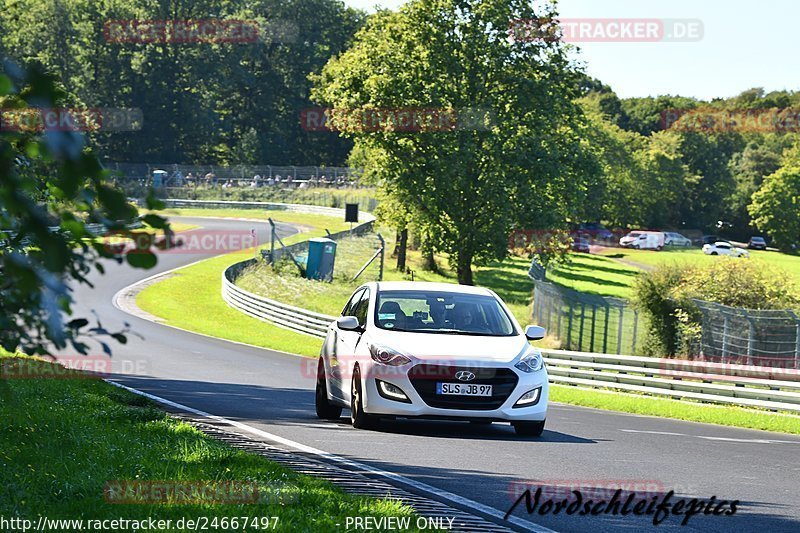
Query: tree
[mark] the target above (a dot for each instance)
(51, 187)
(749, 167)
(775, 205)
(513, 157)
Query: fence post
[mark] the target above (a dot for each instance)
(724, 336)
(605, 329)
(271, 242)
(569, 326)
(594, 321)
(635, 326)
(383, 256)
(797, 340)
(583, 318)
(751, 334)
(619, 329)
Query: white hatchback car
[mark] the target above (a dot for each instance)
(431, 350)
(725, 248)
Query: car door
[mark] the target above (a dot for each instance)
(352, 342)
(340, 350)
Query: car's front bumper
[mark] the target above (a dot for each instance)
(375, 403)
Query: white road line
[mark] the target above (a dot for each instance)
(727, 439)
(422, 487)
(654, 432)
(753, 441)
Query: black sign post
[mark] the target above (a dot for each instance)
(351, 214)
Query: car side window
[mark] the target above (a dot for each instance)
(360, 310)
(348, 309)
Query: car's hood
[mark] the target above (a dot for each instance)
(447, 347)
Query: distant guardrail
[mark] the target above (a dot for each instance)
(278, 206)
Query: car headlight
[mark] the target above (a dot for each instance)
(531, 361)
(387, 356)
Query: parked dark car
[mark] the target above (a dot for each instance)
(710, 239)
(596, 231)
(581, 243)
(757, 243)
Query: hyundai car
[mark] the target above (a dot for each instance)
(431, 351)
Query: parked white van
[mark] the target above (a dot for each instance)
(643, 240)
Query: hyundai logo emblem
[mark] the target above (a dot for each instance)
(465, 375)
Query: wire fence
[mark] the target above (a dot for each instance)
(587, 322)
(767, 337)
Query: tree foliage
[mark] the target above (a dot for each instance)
(522, 162)
(51, 187)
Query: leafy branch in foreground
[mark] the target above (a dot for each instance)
(51, 189)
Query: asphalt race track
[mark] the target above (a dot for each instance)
(580, 447)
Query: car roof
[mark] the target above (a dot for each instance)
(427, 286)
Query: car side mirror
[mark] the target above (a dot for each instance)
(348, 323)
(535, 333)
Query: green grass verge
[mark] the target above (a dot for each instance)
(310, 221)
(679, 409)
(595, 274)
(199, 286)
(327, 197)
(62, 440)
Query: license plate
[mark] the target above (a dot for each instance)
(463, 389)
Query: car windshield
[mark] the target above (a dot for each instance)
(757, 239)
(634, 234)
(442, 312)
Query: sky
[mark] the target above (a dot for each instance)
(744, 44)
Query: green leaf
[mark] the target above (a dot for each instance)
(141, 259)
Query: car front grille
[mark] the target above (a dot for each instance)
(424, 378)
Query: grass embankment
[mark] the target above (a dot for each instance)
(613, 271)
(595, 274)
(62, 440)
(678, 409)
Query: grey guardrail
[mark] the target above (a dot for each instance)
(297, 208)
(733, 384)
(280, 314)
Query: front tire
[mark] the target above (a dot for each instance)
(358, 417)
(529, 429)
(325, 410)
